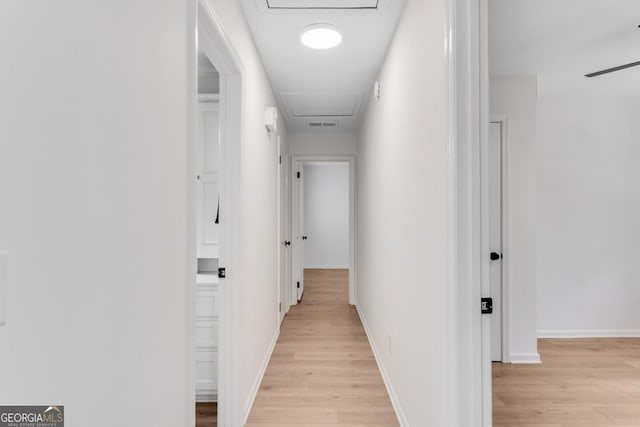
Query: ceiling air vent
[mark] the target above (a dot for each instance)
(318, 125)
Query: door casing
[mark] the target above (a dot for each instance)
(504, 306)
(468, 392)
(296, 163)
(284, 251)
(215, 44)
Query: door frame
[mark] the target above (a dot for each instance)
(480, 51)
(503, 120)
(469, 392)
(283, 209)
(212, 40)
(295, 162)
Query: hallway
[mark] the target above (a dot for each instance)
(322, 371)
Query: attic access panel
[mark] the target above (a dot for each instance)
(322, 4)
(321, 105)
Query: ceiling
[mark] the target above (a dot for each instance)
(562, 40)
(322, 90)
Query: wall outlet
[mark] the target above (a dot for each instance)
(389, 344)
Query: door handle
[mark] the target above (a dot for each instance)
(495, 256)
(304, 237)
(287, 243)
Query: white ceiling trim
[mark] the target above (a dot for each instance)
(320, 6)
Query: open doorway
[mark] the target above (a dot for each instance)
(208, 241)
(323, 221)
(216, 154)
(573, 218)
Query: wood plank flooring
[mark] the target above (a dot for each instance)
(581, 383)
(322, 372)
(206, 414)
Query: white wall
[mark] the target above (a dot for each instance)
(326, 215)
(516, 98)
(402, 220)
(93, 189)
(327, 143)
(94, 195)
(257, 289)
(588, 216)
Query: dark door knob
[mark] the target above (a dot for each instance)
(304, 237)
(287, 243)
(495, 256)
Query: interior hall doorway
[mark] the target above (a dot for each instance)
(214, 172)
(323, 220)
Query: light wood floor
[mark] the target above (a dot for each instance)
(581, 383)
(322, 372)
(206, 414)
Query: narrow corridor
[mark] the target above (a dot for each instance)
(322, 371)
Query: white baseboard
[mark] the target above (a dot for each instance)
(326, 267)
(599, 333)
(525, 358)
(256, 384)
(385, 377)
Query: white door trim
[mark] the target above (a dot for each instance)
(297, 160)
(481, 51)
(467, 127)
(191, 219)
(216, 46)
(283, 222)
(506, 175)
(279, 242)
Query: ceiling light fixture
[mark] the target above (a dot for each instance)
(320, 36)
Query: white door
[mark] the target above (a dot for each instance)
(300, 236)
(495, 236)
(208, 234)
(283, 240)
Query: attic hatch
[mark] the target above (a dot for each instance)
(321, 105)
(322, 4)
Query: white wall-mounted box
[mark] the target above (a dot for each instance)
(271, 119)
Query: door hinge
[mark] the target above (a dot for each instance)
(486, 305)
(298, 283)
(280, 308)
(280, 159)
(222, 272)
(298, 175)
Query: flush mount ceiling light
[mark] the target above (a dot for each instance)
(321, 36)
